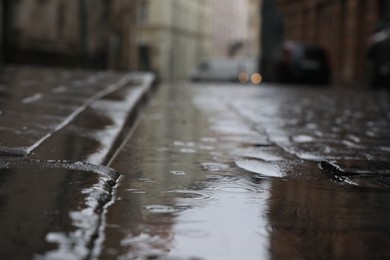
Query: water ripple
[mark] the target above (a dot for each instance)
(190, 194)
(160, 209)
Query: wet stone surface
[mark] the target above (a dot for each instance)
(315, 124)
(211, 171)
(58, 128)
(35, 103)
(51, 209)
(234, 172)
(96, 132)
(359, 172)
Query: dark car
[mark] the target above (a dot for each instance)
(378, 60)
(296, 62)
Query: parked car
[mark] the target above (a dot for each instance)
(296, 62)
(224, 69)
(378, 59)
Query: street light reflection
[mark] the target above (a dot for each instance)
(243, 77)
(256, 78)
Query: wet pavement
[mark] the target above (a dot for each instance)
(58, 130)
(211, 171)
(244, 172)
(60, 106)
(50, 209)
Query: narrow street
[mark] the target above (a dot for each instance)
(209, 129)
(253, 172)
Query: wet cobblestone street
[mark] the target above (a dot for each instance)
(204, 171)
(195, 130)
(318, 124)
(240, 172)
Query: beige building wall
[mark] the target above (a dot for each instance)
(252, 46)
(176, 34)
(230, 26)
(122, 28)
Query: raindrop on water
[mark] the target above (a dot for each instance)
(214, 166)
(160, 209)
(146, 180)
(178, 173)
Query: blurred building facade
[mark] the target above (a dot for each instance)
(230, 27)
(82, 33)
(174, 36)
(254, 28)
(342, 27)
(237, 30)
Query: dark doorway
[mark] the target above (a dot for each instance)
(144, 58)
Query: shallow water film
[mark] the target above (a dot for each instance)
(218, 173)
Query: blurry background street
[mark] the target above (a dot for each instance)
(340, 43)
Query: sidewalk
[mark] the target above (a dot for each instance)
(58, 130)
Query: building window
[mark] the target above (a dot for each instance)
(143, 12)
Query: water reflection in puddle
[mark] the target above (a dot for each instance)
(230, 224)
(160, 209)
(188, 207)
(215, 204)
(217, 216)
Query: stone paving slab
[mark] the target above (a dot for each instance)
(36, 103)
(51, 209)
(95, 134)
(58, 128)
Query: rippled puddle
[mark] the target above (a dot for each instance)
(185, 193)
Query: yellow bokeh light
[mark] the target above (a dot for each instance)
(256, 78)
(243, 77)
